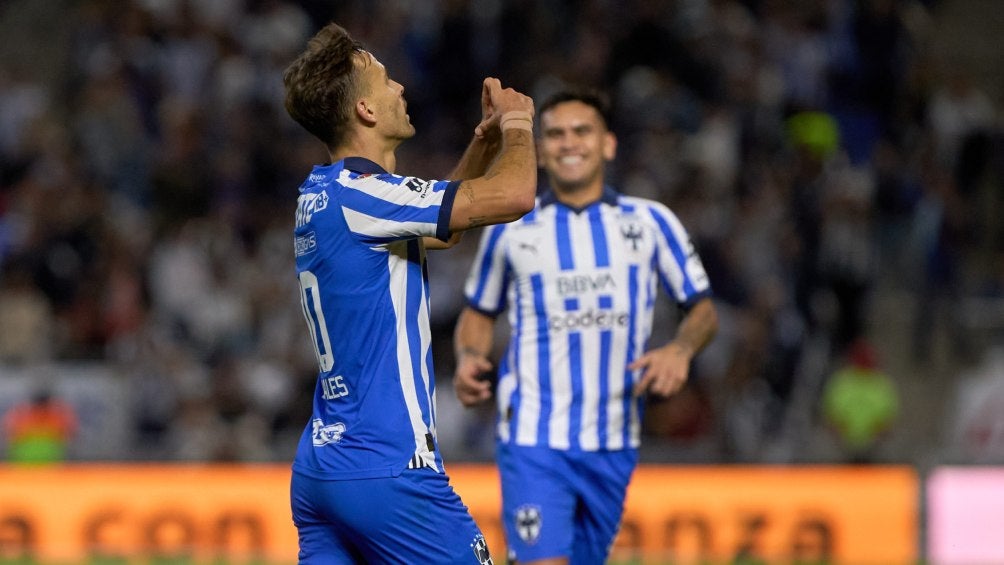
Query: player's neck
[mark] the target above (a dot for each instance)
(578, 196)
(381, 152)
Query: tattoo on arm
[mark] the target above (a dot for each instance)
(477, 221)
(468, 191)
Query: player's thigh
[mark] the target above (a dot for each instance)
(323, 539)
(413, 518)
(431, 524)
(538, 503)
(601, 485)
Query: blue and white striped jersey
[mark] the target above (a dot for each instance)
(580, 289)
(365, 294)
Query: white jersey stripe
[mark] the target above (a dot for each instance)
(371, 226)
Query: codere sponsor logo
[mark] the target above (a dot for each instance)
(602, 319)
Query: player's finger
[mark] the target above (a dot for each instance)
(642, 385)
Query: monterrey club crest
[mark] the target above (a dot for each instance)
(480, 547)
(528, 522)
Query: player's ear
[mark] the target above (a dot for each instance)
(364, 111)
(609, 146)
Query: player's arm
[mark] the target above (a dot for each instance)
(666, 368)
(432, 243)
(472, 342)
(477, 158)
(474, 162)
(506, 189)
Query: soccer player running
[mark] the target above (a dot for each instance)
(578, 277)
(368, 484)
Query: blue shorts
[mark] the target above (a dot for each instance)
(562, 503)
(412, 518)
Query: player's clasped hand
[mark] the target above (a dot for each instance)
(497, 101)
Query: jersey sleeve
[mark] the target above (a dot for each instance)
(488, 280)
(387, 207)
(680, 269)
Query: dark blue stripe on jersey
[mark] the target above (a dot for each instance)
(543, 359)
(606, 337)
(504, 291)
(600, 248)
(446, 210)
(414, 297)
(575, 368)
(486, 265)
(678, 252)
(565, 259)
(632, 351)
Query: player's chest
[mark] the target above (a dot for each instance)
(579, 244)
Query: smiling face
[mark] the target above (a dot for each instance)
(384, 98)
(574, 148)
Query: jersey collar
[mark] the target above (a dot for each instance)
(362, 165)
(609, 196)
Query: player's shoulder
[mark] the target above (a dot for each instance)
(642, 206)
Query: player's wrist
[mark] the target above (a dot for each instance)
(516, 119)
(470, 352)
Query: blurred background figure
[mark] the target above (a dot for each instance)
(39, 429)
(860, 404)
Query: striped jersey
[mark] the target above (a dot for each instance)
(364, 289)
(580, 289)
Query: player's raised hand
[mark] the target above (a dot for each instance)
(496, 102)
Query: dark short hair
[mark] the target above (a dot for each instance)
(321, 84)
(587, 95)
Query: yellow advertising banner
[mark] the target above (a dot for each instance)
(855, 516)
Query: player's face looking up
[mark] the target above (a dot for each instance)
(383, 98)
(574, 146)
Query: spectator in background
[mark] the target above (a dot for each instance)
(26, 317)
(860, 404)
(40, 429)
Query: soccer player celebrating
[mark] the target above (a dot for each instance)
(578, 276)
(368, 484)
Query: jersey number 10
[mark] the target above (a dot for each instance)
(310, 299)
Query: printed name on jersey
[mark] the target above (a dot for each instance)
(325, 434)
(306, 243)
(420, 186)
(309, 204)
(528, 523)
(334, 387)
(316, 177)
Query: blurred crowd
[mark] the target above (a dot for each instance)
(817, 150)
